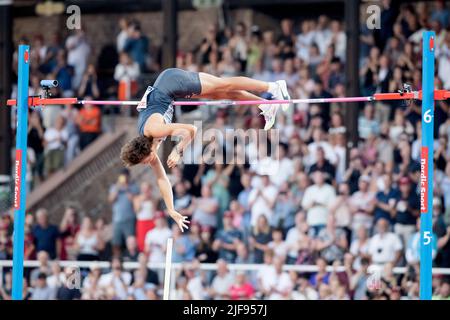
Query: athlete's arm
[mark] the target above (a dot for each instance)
(166, 192)
(186, 132)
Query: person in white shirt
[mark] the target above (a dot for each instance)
(222, 282)
(284, 168)
(316, 201)
(156, 239)
(279, 247)
(55, 139)
(323, 35)
(123, 35)
(78, 51)
(295, 236)
(127, 69)
(262, 200)
(282, 286)
(385, 247)
(118, 279)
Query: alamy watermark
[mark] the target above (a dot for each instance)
(373, 15)
(234, 146)
(73, 22)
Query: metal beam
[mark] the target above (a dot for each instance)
(351, 69)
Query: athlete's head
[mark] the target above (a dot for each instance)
(137, 150)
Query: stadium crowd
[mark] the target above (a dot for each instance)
(357, 209)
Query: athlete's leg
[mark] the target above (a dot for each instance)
(211, 84)
(230, 95)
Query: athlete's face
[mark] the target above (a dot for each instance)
(152, 156)
(149, 159)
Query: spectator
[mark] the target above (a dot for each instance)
(331, 241)
(121, 197)
(89, 124)
(136, 45)
(406, 211)
(78, 51)
(316, 201)
(277, 245)
(35, 141)
(360, 247)
(67, 291)
(385, 246)
(321, 276)
(55, 139)
(412, 250)
(204, 250)
(46, 235)
(123, 34)
(117, 281)
(227, 239)
(262, 200)
(42, 257)
(145, 207)
(241, 289)
(222, 282)
(258, 241)
(87, 242)
(362, 204)
(205, 209)
(156, 239)
(41, 290)
(184, 249)
(282, 286)
(89, 83)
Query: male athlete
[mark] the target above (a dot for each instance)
(156, 112)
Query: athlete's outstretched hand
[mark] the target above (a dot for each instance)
(181, 220)
(173, 159)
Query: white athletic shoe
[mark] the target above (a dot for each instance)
(269, 111)
(282, 93)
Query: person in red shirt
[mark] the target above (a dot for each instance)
(89, 124)
(242, 289)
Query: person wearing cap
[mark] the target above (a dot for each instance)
(406, 210)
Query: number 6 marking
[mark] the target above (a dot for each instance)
(427, 117)
(427, 237)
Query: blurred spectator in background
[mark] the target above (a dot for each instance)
(222, 282)
(126, 74)
(46, 235)
(316, 201)
(131, 253)
(123, 34)
(136, 45)
(41, 290)
(68, 229)
(87, 242)
(156, 239)
(64, 74)
(384, 246)
(89, 123)
(123, 216)
(145, 207)
(241, 289)
(35, 141)
(55, 139)
(78, 51)
(89, 83)
(259, 239)
(227, 239)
